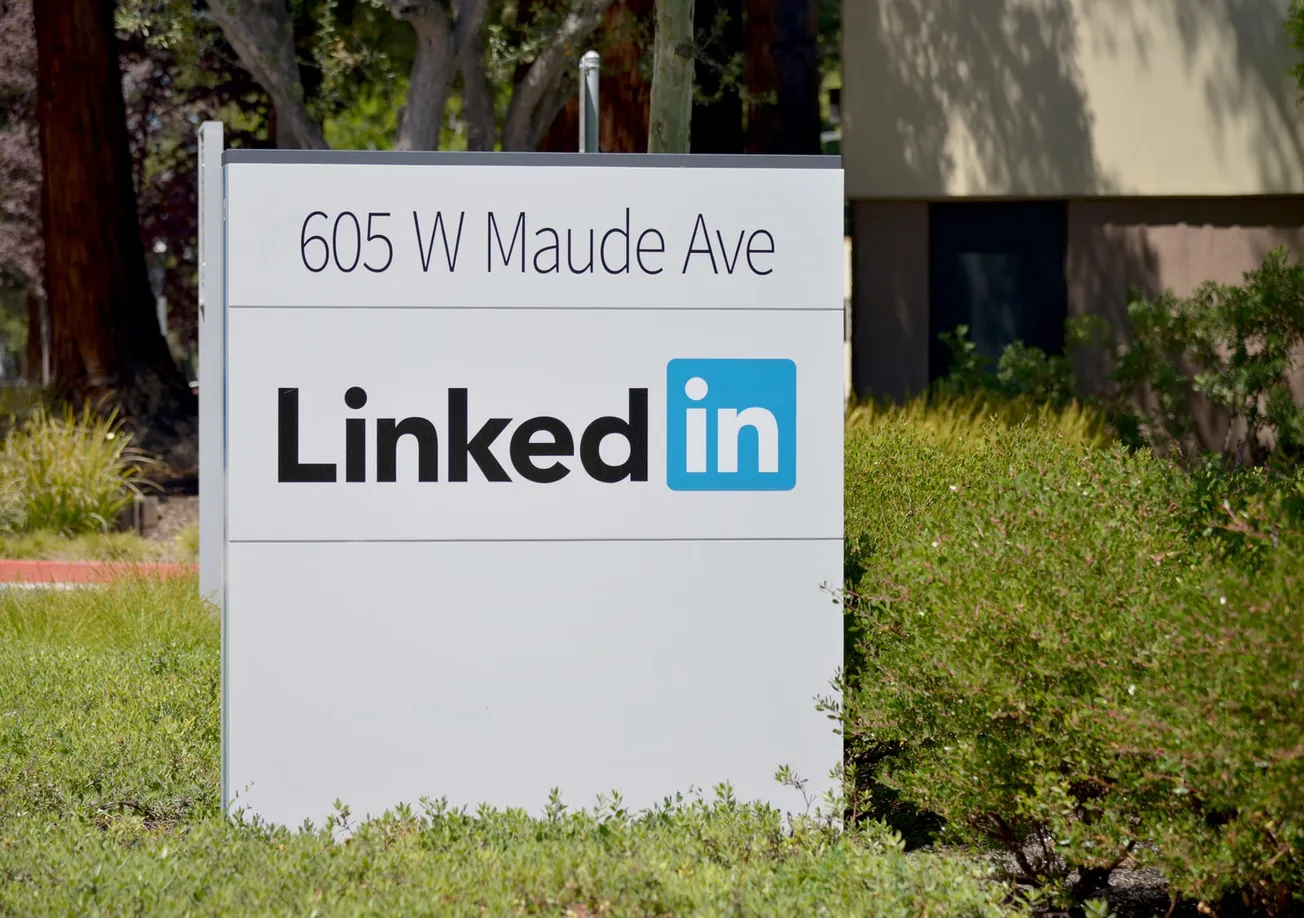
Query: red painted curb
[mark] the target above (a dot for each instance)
(13, 571)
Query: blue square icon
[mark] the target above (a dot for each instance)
(731, 425)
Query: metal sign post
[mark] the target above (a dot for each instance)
(589, 117)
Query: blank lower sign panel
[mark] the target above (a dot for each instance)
(533, 478)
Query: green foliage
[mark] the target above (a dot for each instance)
(1079, 655)
(44, 545)
(110, 705)
(1234, 345)
(1022, 372)
(67, 472)
(972, 414)
(109, 738)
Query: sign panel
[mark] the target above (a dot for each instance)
(534, 477)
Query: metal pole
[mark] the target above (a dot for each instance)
(212, 365)
(589, 64)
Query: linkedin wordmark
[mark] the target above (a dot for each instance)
(533, 441)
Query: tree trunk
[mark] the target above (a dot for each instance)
(718, 120)
(762, 75)
(34, 358)
(477, 97)
(671, 114)
(799, 79)
(105, 339)
(262, 35)
(433, 67)
(443, 45)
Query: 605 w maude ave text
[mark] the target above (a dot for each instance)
(345, 242)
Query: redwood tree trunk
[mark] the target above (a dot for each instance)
(783, 115)
(104, 334)
(764, 132)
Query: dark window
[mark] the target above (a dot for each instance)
(999, 269)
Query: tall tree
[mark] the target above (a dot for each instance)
(105, 338)
(262, 35)
(450, 38)
(673, 58)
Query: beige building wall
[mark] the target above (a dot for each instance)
(1069, 98)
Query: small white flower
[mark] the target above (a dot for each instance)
(1131, 689)
(1222, 600)
(955, 489)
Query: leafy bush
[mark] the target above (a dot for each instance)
(970, 414)
(109, 739)
(1050, 654)
(68, 472)
(1021, 373)
(1234, 345)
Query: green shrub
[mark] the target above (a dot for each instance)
(1021, 372)
(1050, 656)
(109, 764)
(68, 472)
(972, 414)
(1235, 345)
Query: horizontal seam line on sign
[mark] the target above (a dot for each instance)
(576, 308)
(589, 539)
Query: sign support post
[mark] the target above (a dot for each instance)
(212, 383)
(212, 325)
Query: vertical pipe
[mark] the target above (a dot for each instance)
(589, 123)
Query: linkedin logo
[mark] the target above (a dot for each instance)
(731, 425)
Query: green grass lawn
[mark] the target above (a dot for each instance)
(109, 804)
(107, 546)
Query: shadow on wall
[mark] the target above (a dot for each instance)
(1235, 49)
(1000, 73)
(996, 96)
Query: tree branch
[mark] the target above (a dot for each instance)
(525, 122)
(260, 33)
(439, 42)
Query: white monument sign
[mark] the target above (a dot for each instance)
(533, 477)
